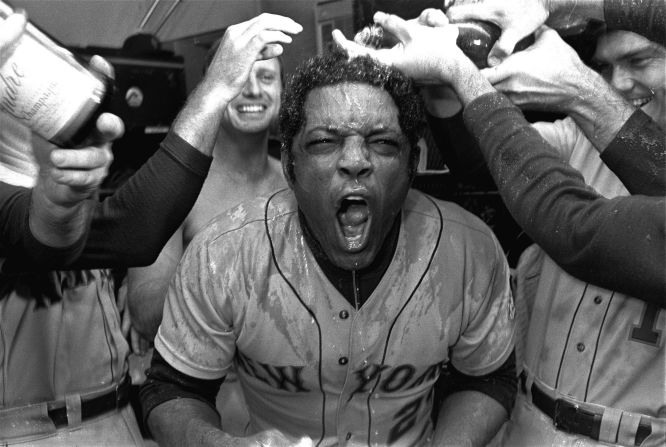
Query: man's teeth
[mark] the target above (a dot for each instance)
(641, 101)
(250, 109)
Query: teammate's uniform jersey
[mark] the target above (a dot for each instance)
(589, 344)
(60, 338)
(249, 290)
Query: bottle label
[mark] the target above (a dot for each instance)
(42, 89)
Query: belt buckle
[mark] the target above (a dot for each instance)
(572, 418)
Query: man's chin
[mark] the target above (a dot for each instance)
(353, 260)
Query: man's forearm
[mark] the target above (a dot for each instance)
(186, 422)
(469, 83)
(598, 109)
(468, 418)
(57, 225)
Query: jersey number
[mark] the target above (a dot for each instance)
(646, 332)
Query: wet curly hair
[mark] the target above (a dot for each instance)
(335, 68)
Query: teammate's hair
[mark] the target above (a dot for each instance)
(335, 68)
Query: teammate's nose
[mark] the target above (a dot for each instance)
(251, 87)
(621, 79)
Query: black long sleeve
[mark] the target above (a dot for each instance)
(16, 239)
(615, 243)
(130, 227)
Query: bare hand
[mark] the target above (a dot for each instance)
(73, 175)
(517, 18)
(547, 76)
(426, 49)
(243, 44)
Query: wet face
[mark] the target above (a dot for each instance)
(258, 104)
(636, 67)
(350, 170)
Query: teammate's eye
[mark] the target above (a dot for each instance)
(640, 62)
(267, 78)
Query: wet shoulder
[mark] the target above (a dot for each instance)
(247, 219)
(454, 218)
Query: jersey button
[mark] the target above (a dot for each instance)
(344, 314)
(597, 299)
(580, 347)
(348, 437)
(343, 360)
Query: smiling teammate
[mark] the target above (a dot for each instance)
(341, 299)
(241, 170)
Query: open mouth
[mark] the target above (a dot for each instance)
(640, 102)
(353, 216)
(251, 108)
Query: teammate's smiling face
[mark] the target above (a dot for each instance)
(350, 170)
(636, 67)
(255, 108)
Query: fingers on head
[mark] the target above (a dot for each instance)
(273, 22)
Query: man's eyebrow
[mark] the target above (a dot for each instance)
(644, 51)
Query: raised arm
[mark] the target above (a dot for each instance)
(549, 76)
(131, 227)
(598, 240)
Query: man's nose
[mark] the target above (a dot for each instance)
(251, 87)
(621, 79)
(355, 159)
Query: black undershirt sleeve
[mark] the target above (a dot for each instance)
(164, 382)
(637, 155)
(501, 384)
(17, 241)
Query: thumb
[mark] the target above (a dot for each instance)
(503, 47)
(497, 73)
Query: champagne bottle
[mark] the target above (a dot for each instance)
(46, 88)
(475, 39)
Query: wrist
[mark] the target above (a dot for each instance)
(199, 120)
(468, 82)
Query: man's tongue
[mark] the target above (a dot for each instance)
(352, 216)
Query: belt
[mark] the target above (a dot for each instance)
(570, 417)
(95, 406)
